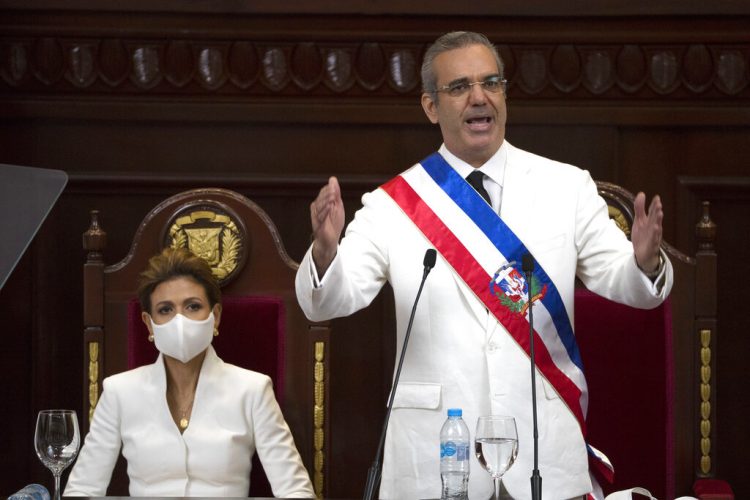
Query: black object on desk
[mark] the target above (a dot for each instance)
(26, 197)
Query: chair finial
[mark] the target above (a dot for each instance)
(94, 239)
(705, 229)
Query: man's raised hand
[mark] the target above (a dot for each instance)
(327, 218)
(647, 232)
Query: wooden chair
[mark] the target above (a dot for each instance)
(262, 326)
(650, 373)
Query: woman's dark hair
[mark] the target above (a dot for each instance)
(174, 263)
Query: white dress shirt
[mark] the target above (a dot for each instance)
(493, 170)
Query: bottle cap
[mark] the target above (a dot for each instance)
(454, 412)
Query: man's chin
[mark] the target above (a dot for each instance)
(482, 143)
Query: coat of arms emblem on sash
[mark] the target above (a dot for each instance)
(511, 288)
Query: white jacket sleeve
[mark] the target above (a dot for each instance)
(358, 271)
(276, 450)
(93, 470)
(606, 263)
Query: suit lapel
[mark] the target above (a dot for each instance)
(518, 192)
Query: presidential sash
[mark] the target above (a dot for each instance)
(448, 211)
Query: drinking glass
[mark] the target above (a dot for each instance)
(496, 446)
(56, 441)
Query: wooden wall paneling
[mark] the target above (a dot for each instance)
(594, 148)
(603, 8)
(651, 158)
(237, 150)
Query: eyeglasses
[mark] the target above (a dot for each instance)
(492, 84)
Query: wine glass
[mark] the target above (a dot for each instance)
(56, 441)
(496, 446)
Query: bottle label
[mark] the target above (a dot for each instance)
(447, 449)
(453, 449)
(462, 452)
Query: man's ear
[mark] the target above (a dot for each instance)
(429, 105)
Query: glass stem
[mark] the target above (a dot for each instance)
(57, 486)
(498, 481)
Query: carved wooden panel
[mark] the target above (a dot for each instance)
(123, 66)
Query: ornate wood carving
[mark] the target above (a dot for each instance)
(93, 375)
(212, 232)
(705, 401)
(372, 69)
(319, 411)
(706, 232)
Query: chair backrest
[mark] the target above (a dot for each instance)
(649, 371)
(262, 326)
(629, 368)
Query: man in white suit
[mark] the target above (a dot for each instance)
(469, 345)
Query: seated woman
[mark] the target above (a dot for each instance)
(189, 423)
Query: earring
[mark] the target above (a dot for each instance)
(216, 332)
(150, 337)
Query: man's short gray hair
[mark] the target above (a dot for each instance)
(451, 41)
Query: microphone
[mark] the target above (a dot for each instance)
(373, 474)
(527, 265)
(430, 256)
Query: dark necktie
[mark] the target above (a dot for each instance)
(475, 180)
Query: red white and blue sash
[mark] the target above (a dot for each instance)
(448, 211)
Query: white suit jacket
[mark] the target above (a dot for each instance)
(459, 355)
(234, 414)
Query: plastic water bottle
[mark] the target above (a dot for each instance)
(31, 492)
(454, 456)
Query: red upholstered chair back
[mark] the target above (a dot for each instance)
(262, 326)
(627, 358)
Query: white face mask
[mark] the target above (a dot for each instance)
(183, 338)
